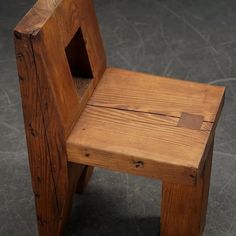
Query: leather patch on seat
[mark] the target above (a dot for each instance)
(190, 121)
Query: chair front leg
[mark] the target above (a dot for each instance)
(183, 208)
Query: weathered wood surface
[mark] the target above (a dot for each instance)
(45, 141)
(138, 143)
(51, 102)
(183, 208)
(147, 125)
(130, 90)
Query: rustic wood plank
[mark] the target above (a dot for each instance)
(130, 90)
(51, 102)
(120, 140)
(133, 117)
(183, 208)
(52, 64)
(49, 193)
(75, 172)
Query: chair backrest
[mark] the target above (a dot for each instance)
(62, 41)
(60, 59)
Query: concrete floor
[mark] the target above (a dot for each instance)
(188, 39)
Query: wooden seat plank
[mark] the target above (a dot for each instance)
(146, 125)
(118, 140)
(142, 92)
(127, 122)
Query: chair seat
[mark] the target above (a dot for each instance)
(147, 125)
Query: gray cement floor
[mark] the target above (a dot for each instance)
(189, 39)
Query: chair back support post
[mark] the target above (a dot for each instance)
(51, 96)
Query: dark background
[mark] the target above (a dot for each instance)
(188, 39)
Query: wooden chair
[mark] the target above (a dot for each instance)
(132, 122)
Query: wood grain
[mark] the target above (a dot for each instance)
(130, 90)
(147, 125)
(47, 23)
(183, 209)
(118, 140)
(51, 101)
(45, 141)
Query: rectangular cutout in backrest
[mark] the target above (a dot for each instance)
(78, 61)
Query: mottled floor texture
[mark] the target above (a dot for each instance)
(188, 39)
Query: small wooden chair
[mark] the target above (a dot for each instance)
(132, 122)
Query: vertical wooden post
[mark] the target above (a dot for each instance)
(53, 179)
(51, 103)
(84, 179)
(183, 208)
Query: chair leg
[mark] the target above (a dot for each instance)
(183, 208)
(84, 179)
(51, 221)
(74, 174)
(78, 177)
